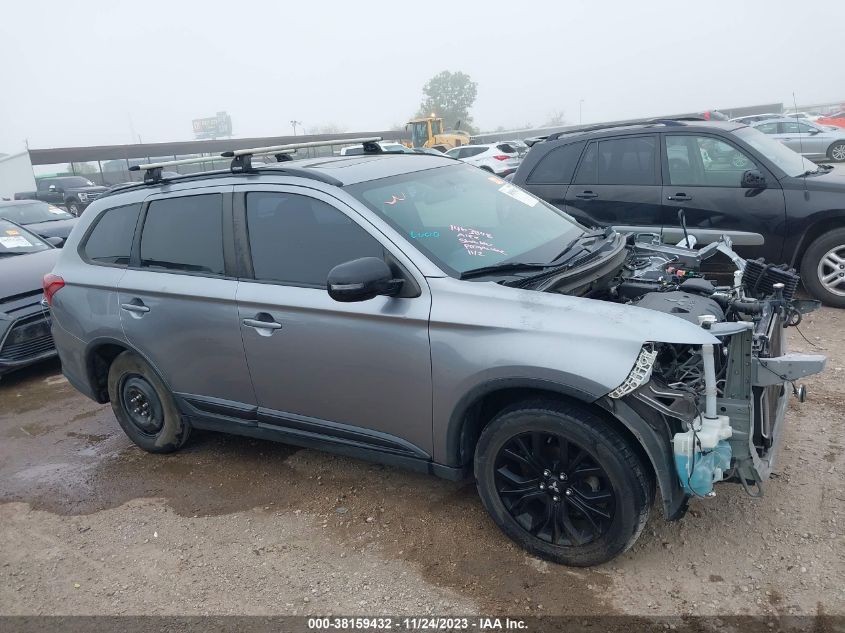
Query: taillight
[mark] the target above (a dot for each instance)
(51, 285)
(503, 157)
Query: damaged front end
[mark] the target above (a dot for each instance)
(723, 404)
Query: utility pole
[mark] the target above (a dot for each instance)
(294, 123)
(580, 104)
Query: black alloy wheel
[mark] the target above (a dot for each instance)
(563, 481)
(554, 489)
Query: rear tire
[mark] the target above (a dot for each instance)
(144, 406)
(821, 267)
(837, 151)
(562, 483)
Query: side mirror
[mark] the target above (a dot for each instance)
(361, 279)
(814, 131)
(753, 179)
(58, 242)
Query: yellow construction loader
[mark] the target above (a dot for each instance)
(428, 132)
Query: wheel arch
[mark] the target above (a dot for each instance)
(651, 442)
(99, 355)
(834, 219)
(829, 152)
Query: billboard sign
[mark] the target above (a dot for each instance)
(213, 127)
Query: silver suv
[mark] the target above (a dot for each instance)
(423, 313)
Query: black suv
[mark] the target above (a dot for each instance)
(727, 177)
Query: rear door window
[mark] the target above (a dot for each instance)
(556, 167)
(184, 234)
(110, 242)
(628, 161)
(768, 128)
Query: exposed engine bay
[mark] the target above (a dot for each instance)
(723, 403)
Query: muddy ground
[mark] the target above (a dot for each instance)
(89, 524)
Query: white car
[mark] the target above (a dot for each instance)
(386, 146)
(810, 116)
(499, 158)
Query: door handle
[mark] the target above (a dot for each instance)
(137, 308)
(262, 321)
(586, 195)
(679, 197)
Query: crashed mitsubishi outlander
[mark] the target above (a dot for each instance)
(420, 312)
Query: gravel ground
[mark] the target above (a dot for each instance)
(89, 524)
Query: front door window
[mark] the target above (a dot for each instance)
(705, 161)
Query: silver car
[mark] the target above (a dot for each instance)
(807, 138)
(417, 311)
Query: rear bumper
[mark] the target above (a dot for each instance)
(25, 337)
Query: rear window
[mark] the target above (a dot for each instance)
(556, 167)
(110, 242)
(184, 234)
(506, 148)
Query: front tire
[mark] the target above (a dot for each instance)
(562, 483)
(837, 151)
(823, 268)
(144, 406)
(73, 208)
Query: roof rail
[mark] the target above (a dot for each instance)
(668, 121)
(153, 171)
(242, 158)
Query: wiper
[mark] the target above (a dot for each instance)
(602, 233)
(502, 268)
(12, 253)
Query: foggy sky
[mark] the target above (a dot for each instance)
(102, 72)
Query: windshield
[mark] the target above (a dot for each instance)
(32, 212)
(75, 181)
(15, 240)
(463, 218)
(790, 162)
(419, 133)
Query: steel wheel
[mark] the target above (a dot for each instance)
(555, 489)
(837, 152)
(142, 405)
(831, 270)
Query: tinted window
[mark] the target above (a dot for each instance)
(628, 161)
(506, 148)
(587, 169)
(111, 240)
(705, 161)
(557, 166)
(297, 240)
(184, 234)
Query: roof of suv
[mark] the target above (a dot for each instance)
(336, 170)
(639, 126)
